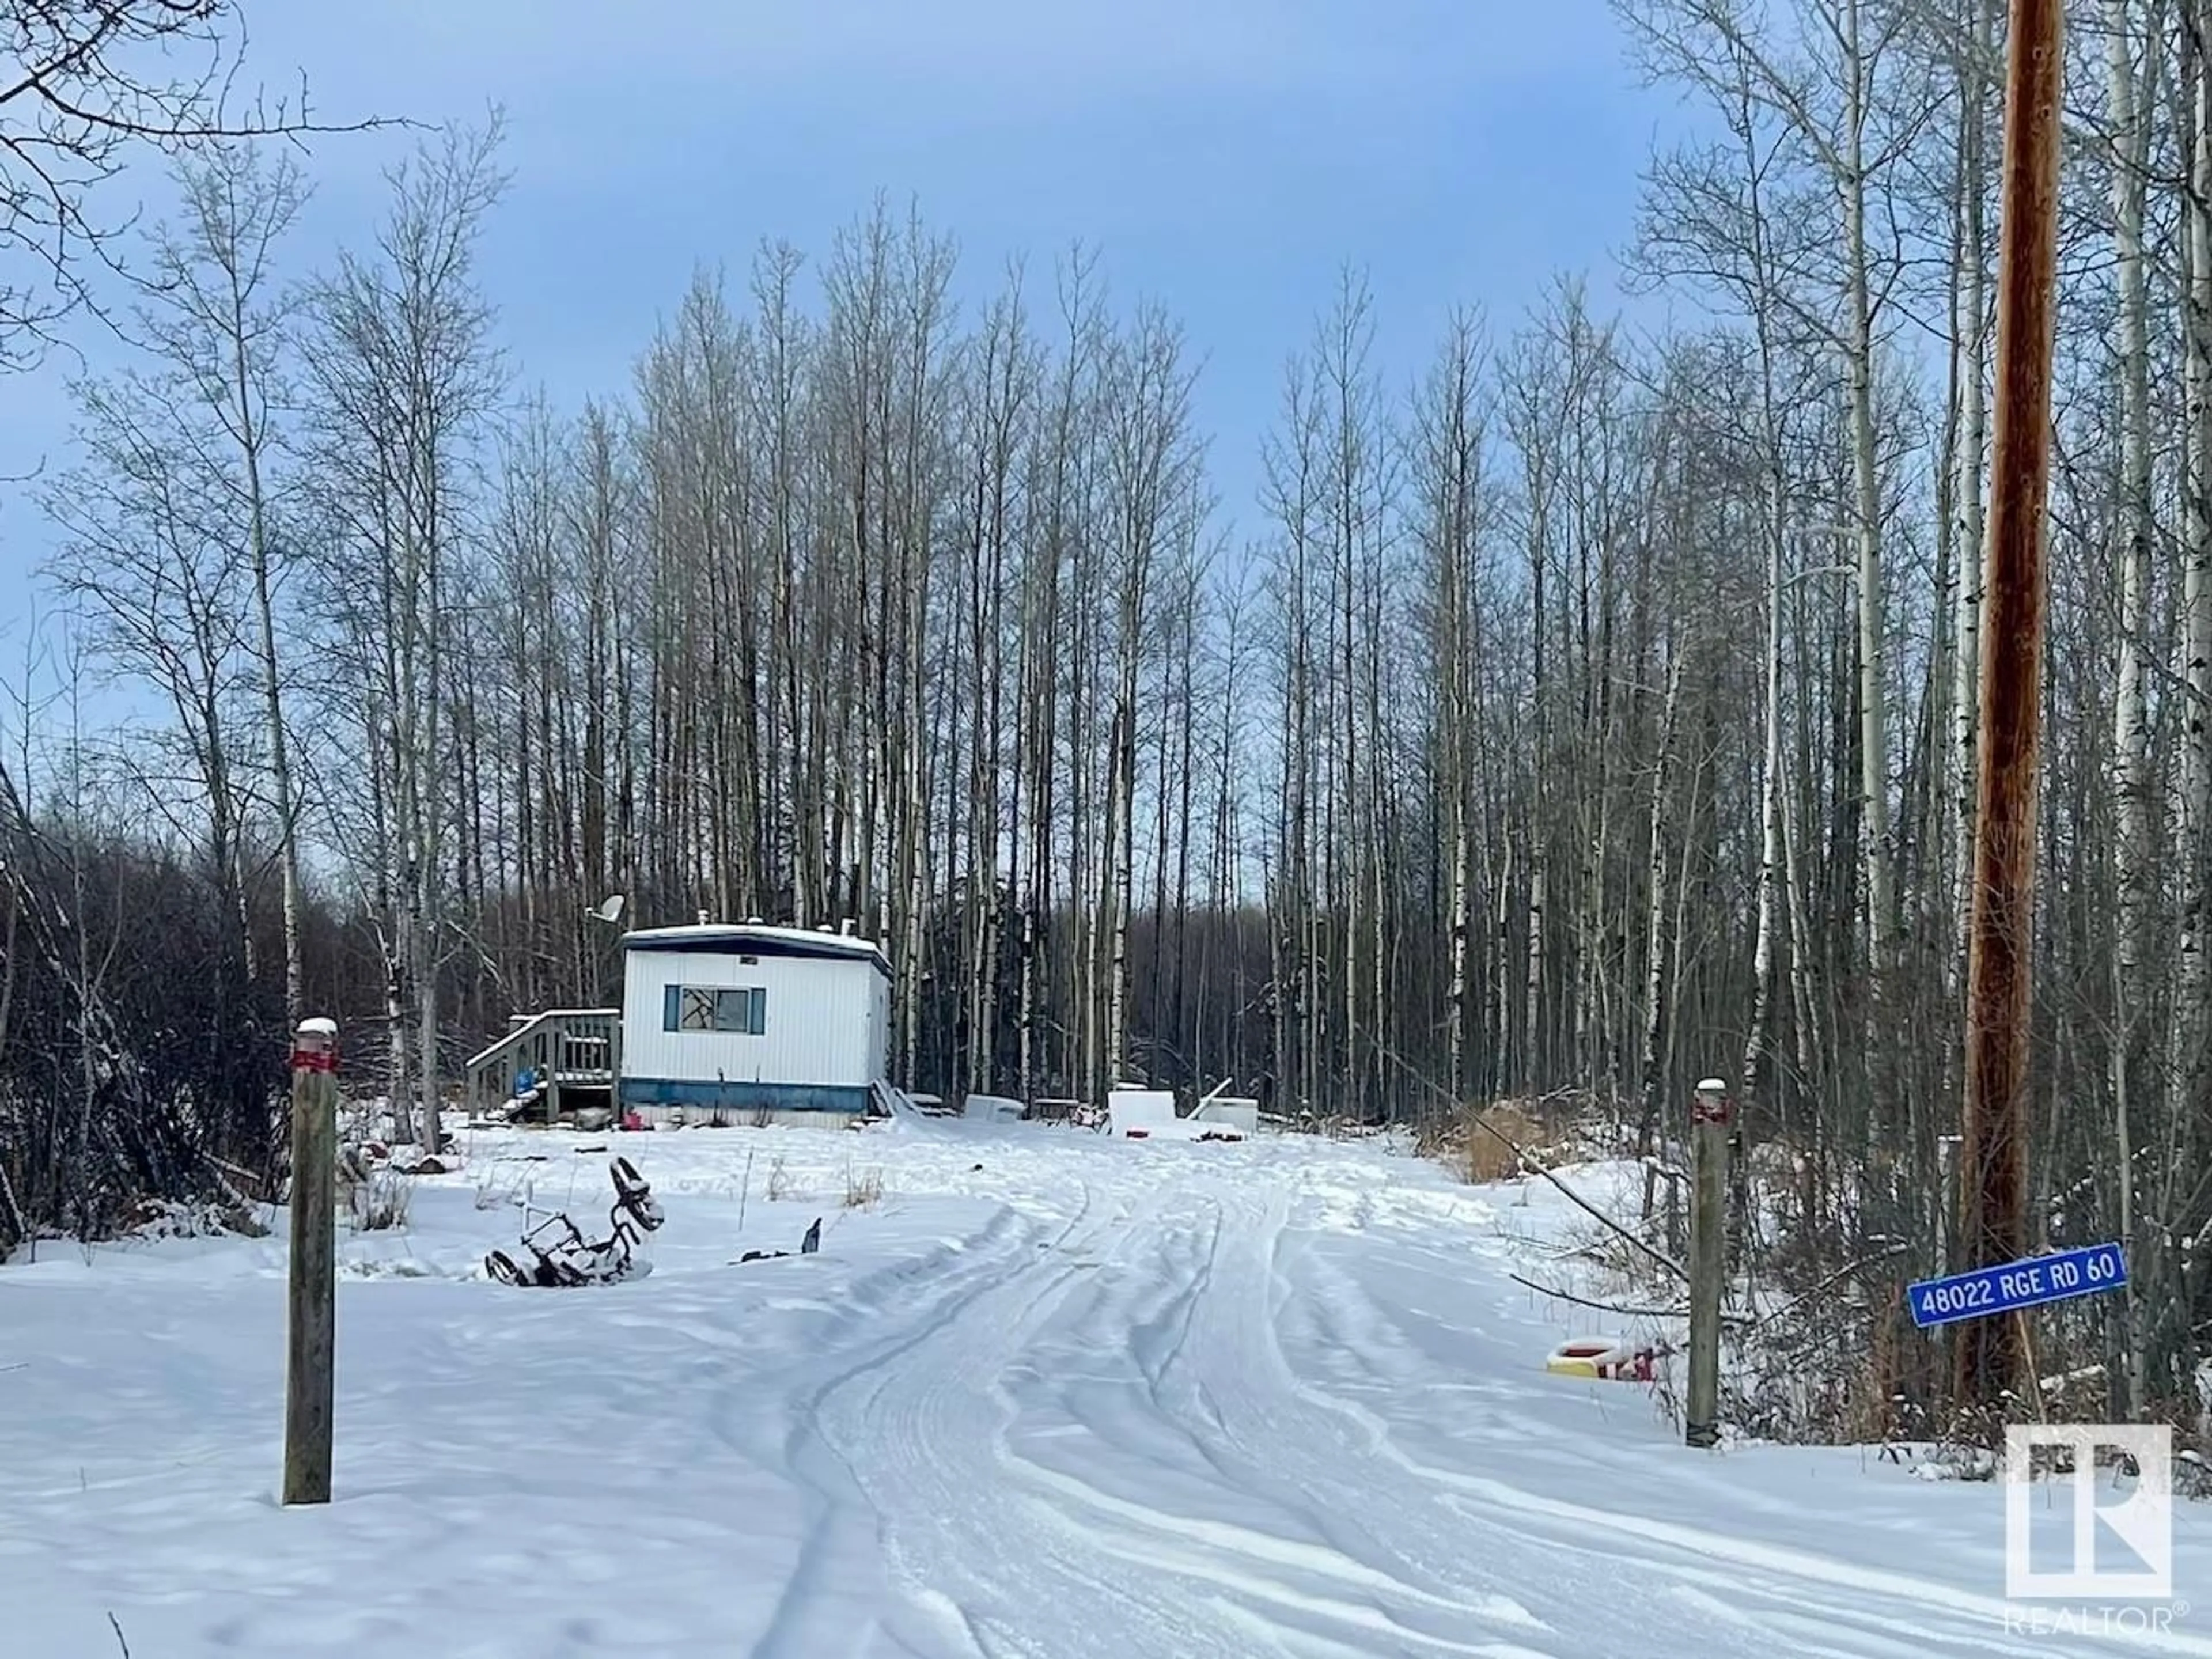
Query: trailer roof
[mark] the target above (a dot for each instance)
(755, 938)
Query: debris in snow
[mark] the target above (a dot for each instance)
(807, 1246)
(1956, 1463)
(563, 1258)
(1135, 1112)
(1607, 1358)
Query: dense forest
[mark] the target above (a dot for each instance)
(1585, 712)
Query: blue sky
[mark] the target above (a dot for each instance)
(1225, 157)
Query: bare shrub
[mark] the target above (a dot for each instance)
(1491, 1145)
(780, 1184)
(864, 1192)
(380, 1204)
(512, 1193)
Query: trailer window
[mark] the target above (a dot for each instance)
(741, 1010)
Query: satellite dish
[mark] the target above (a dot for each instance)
(609, 909)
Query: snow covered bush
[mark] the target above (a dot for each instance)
(380, 1204)
(170, 1218)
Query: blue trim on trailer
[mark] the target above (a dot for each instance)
(740, 1096)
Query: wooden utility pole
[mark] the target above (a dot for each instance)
(1709, 1152)
(2001, 945)
(312, 1327)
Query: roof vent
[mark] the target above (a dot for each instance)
(752, 921)
(847, 929)
(703, 918)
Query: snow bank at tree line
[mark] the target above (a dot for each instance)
(1055, 1394)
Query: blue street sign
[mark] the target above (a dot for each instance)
(2022, 1284)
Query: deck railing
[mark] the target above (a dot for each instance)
(564, 1047)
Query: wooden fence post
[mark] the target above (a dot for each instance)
(1709, 1152)
(311, 1311)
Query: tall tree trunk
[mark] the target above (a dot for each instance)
(2132, 846)
(1873, 626)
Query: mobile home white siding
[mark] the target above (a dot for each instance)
(822, 1018)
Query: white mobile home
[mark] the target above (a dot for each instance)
(743, 1019)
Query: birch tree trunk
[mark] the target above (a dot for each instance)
(1971, 332)
(2131, 795)
(1873, 626)
(2190, 1028)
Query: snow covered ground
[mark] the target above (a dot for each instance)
(1054, 1394)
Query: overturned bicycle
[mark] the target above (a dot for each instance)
(561, 1256)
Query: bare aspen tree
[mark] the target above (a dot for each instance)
(1002, 401)
(1830, 105)
(403, 367)
(222, 322)
(1534, 416)
(1449, 484)
(1971, 325)
(2189, 1046)
(1726, 217)
(1295, 464)
(1356, 505)
(1658, 933)
(1149, 482)
(2130, 717)
(163, 589)
(1848, 164)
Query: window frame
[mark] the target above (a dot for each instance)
(713, 1010)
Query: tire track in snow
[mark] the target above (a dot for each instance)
(1016, 1552)
(1320, 1548)
(902, 1448)
(1388, 1553)
(1017, 1569)
(1223, 1567)
(821, 1611)
(1093, 1369)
